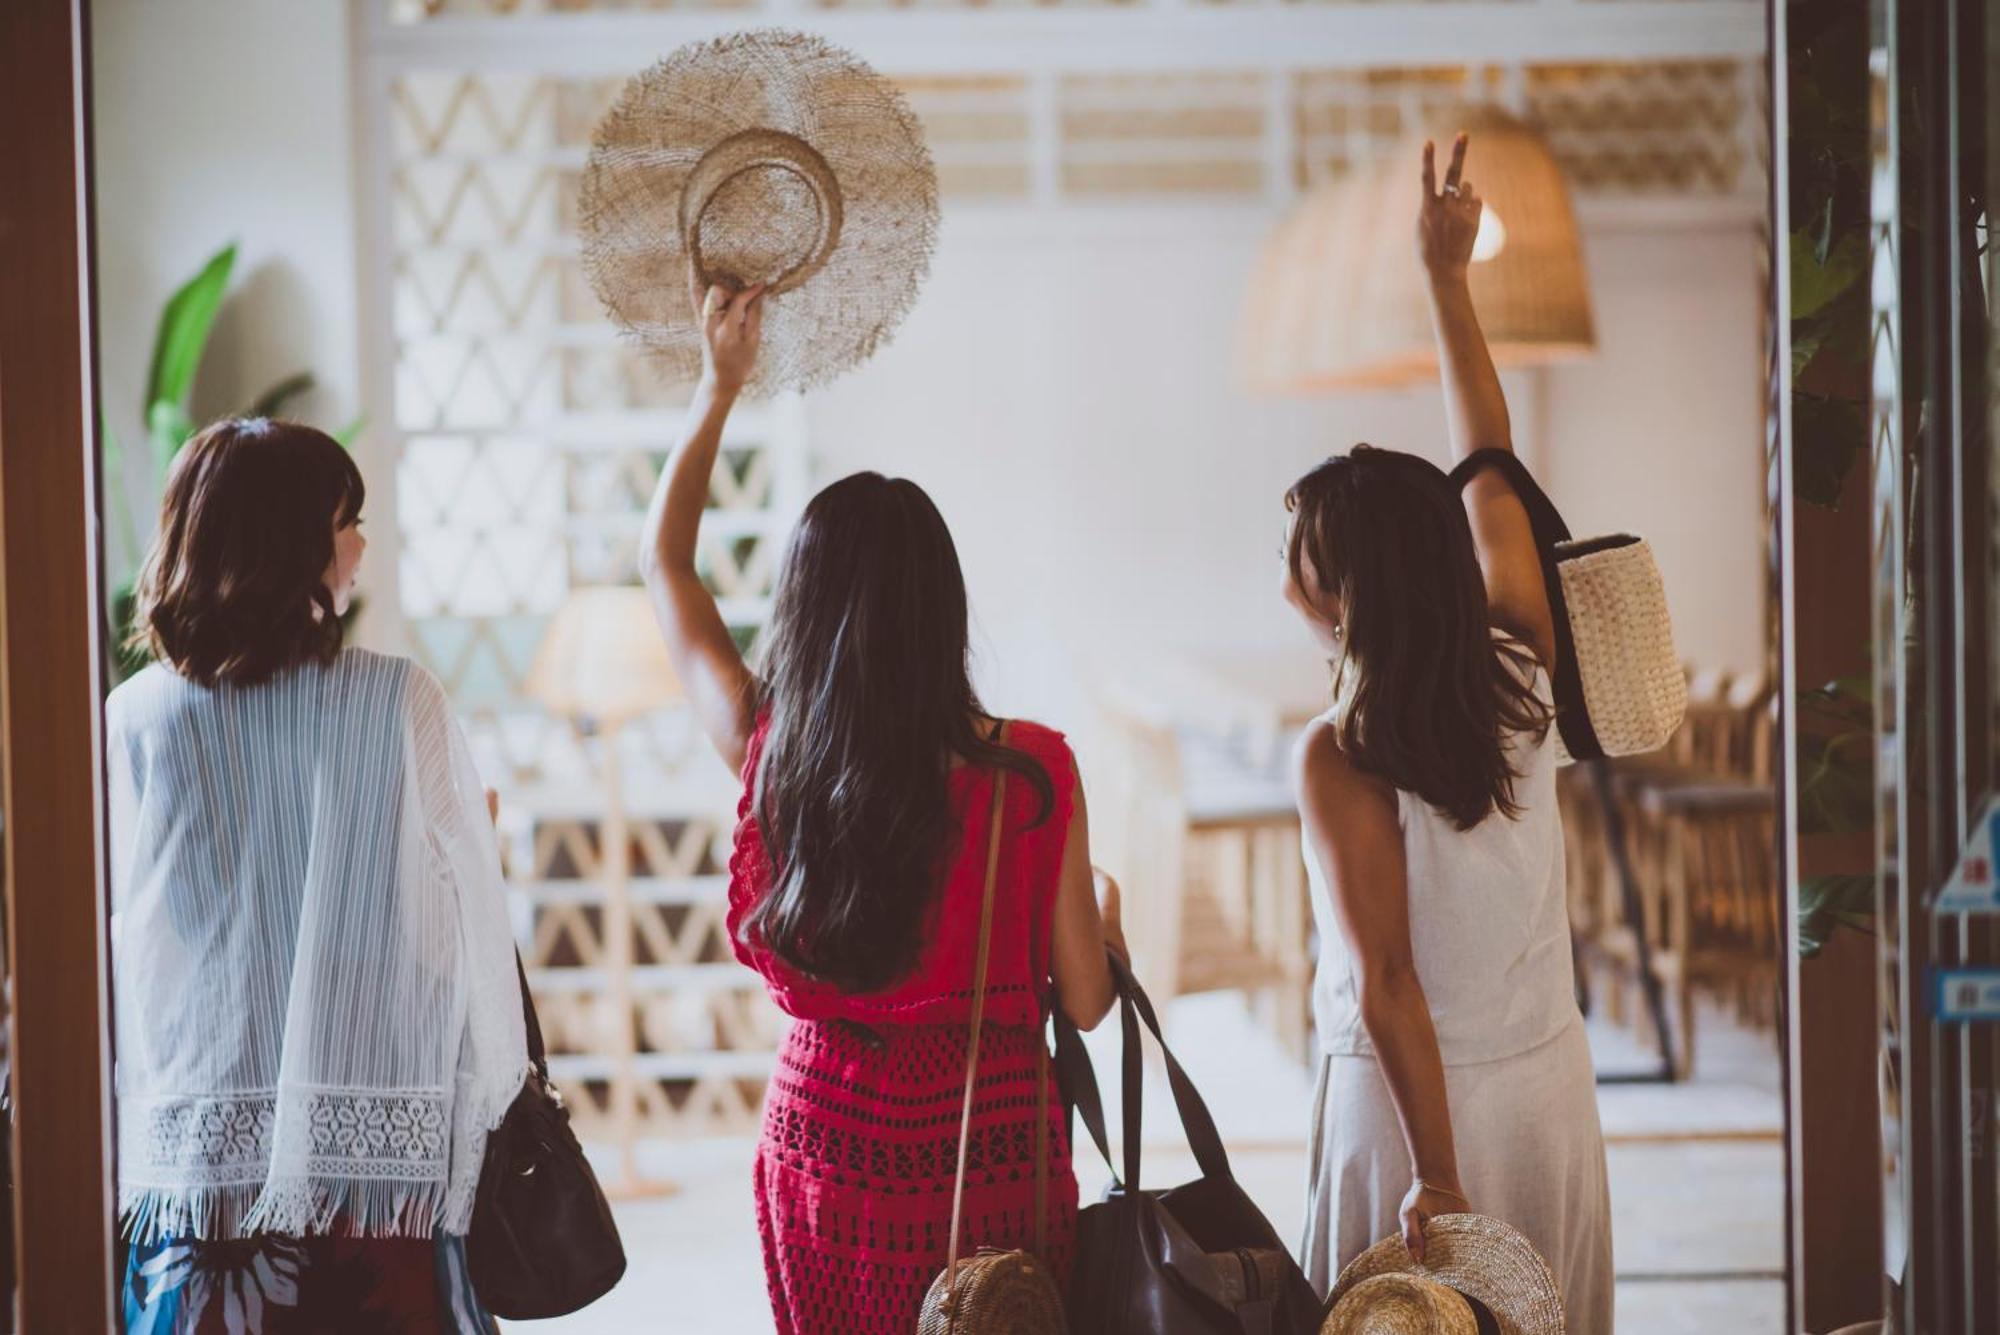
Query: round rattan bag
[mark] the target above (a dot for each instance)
(1479, 1276)
(763, 157)
(993, 1293)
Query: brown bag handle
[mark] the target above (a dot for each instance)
(972, 1056)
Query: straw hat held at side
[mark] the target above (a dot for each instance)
(767, 159)
(1478, 1277)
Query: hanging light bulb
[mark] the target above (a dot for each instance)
(1492, 238)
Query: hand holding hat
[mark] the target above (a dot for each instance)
(764, 160)
(1478, 1277)
(1424, 1202)
(732, 327)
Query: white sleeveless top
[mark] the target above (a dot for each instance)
(1489, 923)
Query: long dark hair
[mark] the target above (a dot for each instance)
(234, 589)
(1426, 697)
(865, 677)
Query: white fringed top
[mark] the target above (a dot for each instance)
(317, 1013)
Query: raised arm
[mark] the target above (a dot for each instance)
(1350, 817)
(704, 653)
(1475, 409)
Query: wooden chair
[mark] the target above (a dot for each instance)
(1700, 824)
(1717, 924)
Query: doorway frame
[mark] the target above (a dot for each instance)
(51, 677)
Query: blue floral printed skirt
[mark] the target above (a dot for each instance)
(274, 1285)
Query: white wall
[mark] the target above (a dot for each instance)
(220, 120)
(1662, 433)
(1064, 393)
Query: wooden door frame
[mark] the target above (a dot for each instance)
(51, 675)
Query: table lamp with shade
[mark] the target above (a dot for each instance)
(602, 663)
(1338, 300)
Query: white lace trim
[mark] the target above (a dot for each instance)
(296, 1161)
(343, 1071)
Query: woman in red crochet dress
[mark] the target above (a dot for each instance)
(857, 877)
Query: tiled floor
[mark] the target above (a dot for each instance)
(1696, 1182)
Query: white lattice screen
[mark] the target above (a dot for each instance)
(526, 437)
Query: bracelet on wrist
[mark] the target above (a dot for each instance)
(1458, 1196)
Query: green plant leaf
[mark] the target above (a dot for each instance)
(1808, 336)
(184, 328)
(1816, 282)
(112, 453)
(1823, 233)
(1848, 701)
(1827, 436)
(350, 433)
(271, 403)
(126, 657)
(168, 427)
(1832, 901)
(1836, 782)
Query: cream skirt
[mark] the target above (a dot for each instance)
(1530, 1152)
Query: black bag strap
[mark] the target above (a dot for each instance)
(537, 1055)
(1543, 516)
(1079, 1082)
(1572, 718)
(1131, 1102)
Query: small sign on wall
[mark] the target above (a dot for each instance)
(1960, 996)
(1973, 887)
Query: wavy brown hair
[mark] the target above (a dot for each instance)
(1426, 695)
(870, 699)
(233, 591)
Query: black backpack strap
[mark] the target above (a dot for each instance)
(1572, 717)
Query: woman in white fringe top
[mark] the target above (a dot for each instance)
(1453, 1074)
(318, 1019)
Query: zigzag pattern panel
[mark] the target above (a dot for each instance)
(1681, 127)
(704, 1027)
(530, 438)
(1344, 118)
(1657, 128)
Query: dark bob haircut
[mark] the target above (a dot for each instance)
(234, 589)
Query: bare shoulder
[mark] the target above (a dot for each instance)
(1327, 781)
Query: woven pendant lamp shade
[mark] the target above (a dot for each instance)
(1338, 298)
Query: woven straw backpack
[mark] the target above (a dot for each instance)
(1619, 687)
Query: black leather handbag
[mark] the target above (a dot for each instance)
(542, 1242)
(1197, 1259)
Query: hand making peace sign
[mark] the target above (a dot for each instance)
(1448, 223)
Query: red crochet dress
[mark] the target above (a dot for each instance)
(854, 1169)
